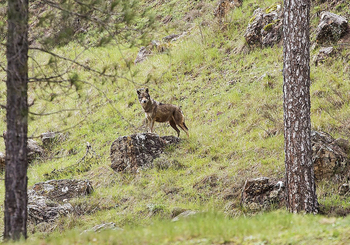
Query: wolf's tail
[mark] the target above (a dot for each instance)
(185, 126)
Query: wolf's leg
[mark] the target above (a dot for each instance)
(151, 125)
(173, 125)
(179, 119)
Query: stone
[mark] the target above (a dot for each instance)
(331, 28)
(330, 157)
(61, 190)
(41, 209)
(34, 150)
(265, 27)
(171, 37)
(344, 189)
(260, 194)
(323, 54)
(102, 227)
(184, 214)
(49, 200)
(49, 138)
(134, 152)
(142, 55)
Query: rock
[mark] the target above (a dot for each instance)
(171, 37)
(48, 200)
(157, 46)
(330, 157)
(260, 194)
(331, 28)
(265, 27)
(41, 209)
(34, 150)
(222, 8)
(130, 153)
(61, 190)
(323, 54)
(2, 162)
(142, 55)
(344, 189)
(102, 227)
(184, 214)
(50, 138)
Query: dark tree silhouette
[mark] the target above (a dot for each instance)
(300, 183)
(17, 121)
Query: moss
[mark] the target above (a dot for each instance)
(252, 19)
(271, 8)
(268, 27)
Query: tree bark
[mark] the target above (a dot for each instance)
(300, 183)
(17, 121)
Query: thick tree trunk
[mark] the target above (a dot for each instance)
(300, 183)
(17, 121)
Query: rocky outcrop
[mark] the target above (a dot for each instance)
(331, 28)
(41, 209)
(130, 153)
(65, 189)
(34, 150)
(330, 157)
(50, 138)
(323, 54)
(261, 194)
(265, 27)
(49, 200)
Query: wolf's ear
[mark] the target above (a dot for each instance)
(138, 91)
(146, 90)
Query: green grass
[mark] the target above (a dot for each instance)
(213, 228)
(231, 96)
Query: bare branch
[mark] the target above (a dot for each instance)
(64, 130)
(81, 65)
(51, 113)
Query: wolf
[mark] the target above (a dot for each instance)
(159, 112)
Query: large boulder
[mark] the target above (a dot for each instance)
(130, 153)
(330, 157)
(260, 194)
(331, 28)
(265, 27)
(49, 200)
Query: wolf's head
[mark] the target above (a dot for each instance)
(143, 96)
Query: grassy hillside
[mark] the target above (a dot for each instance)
(231, 95)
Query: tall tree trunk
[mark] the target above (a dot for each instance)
(17, 121)
(300, 183)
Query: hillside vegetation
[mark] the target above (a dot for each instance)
(231, 96)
